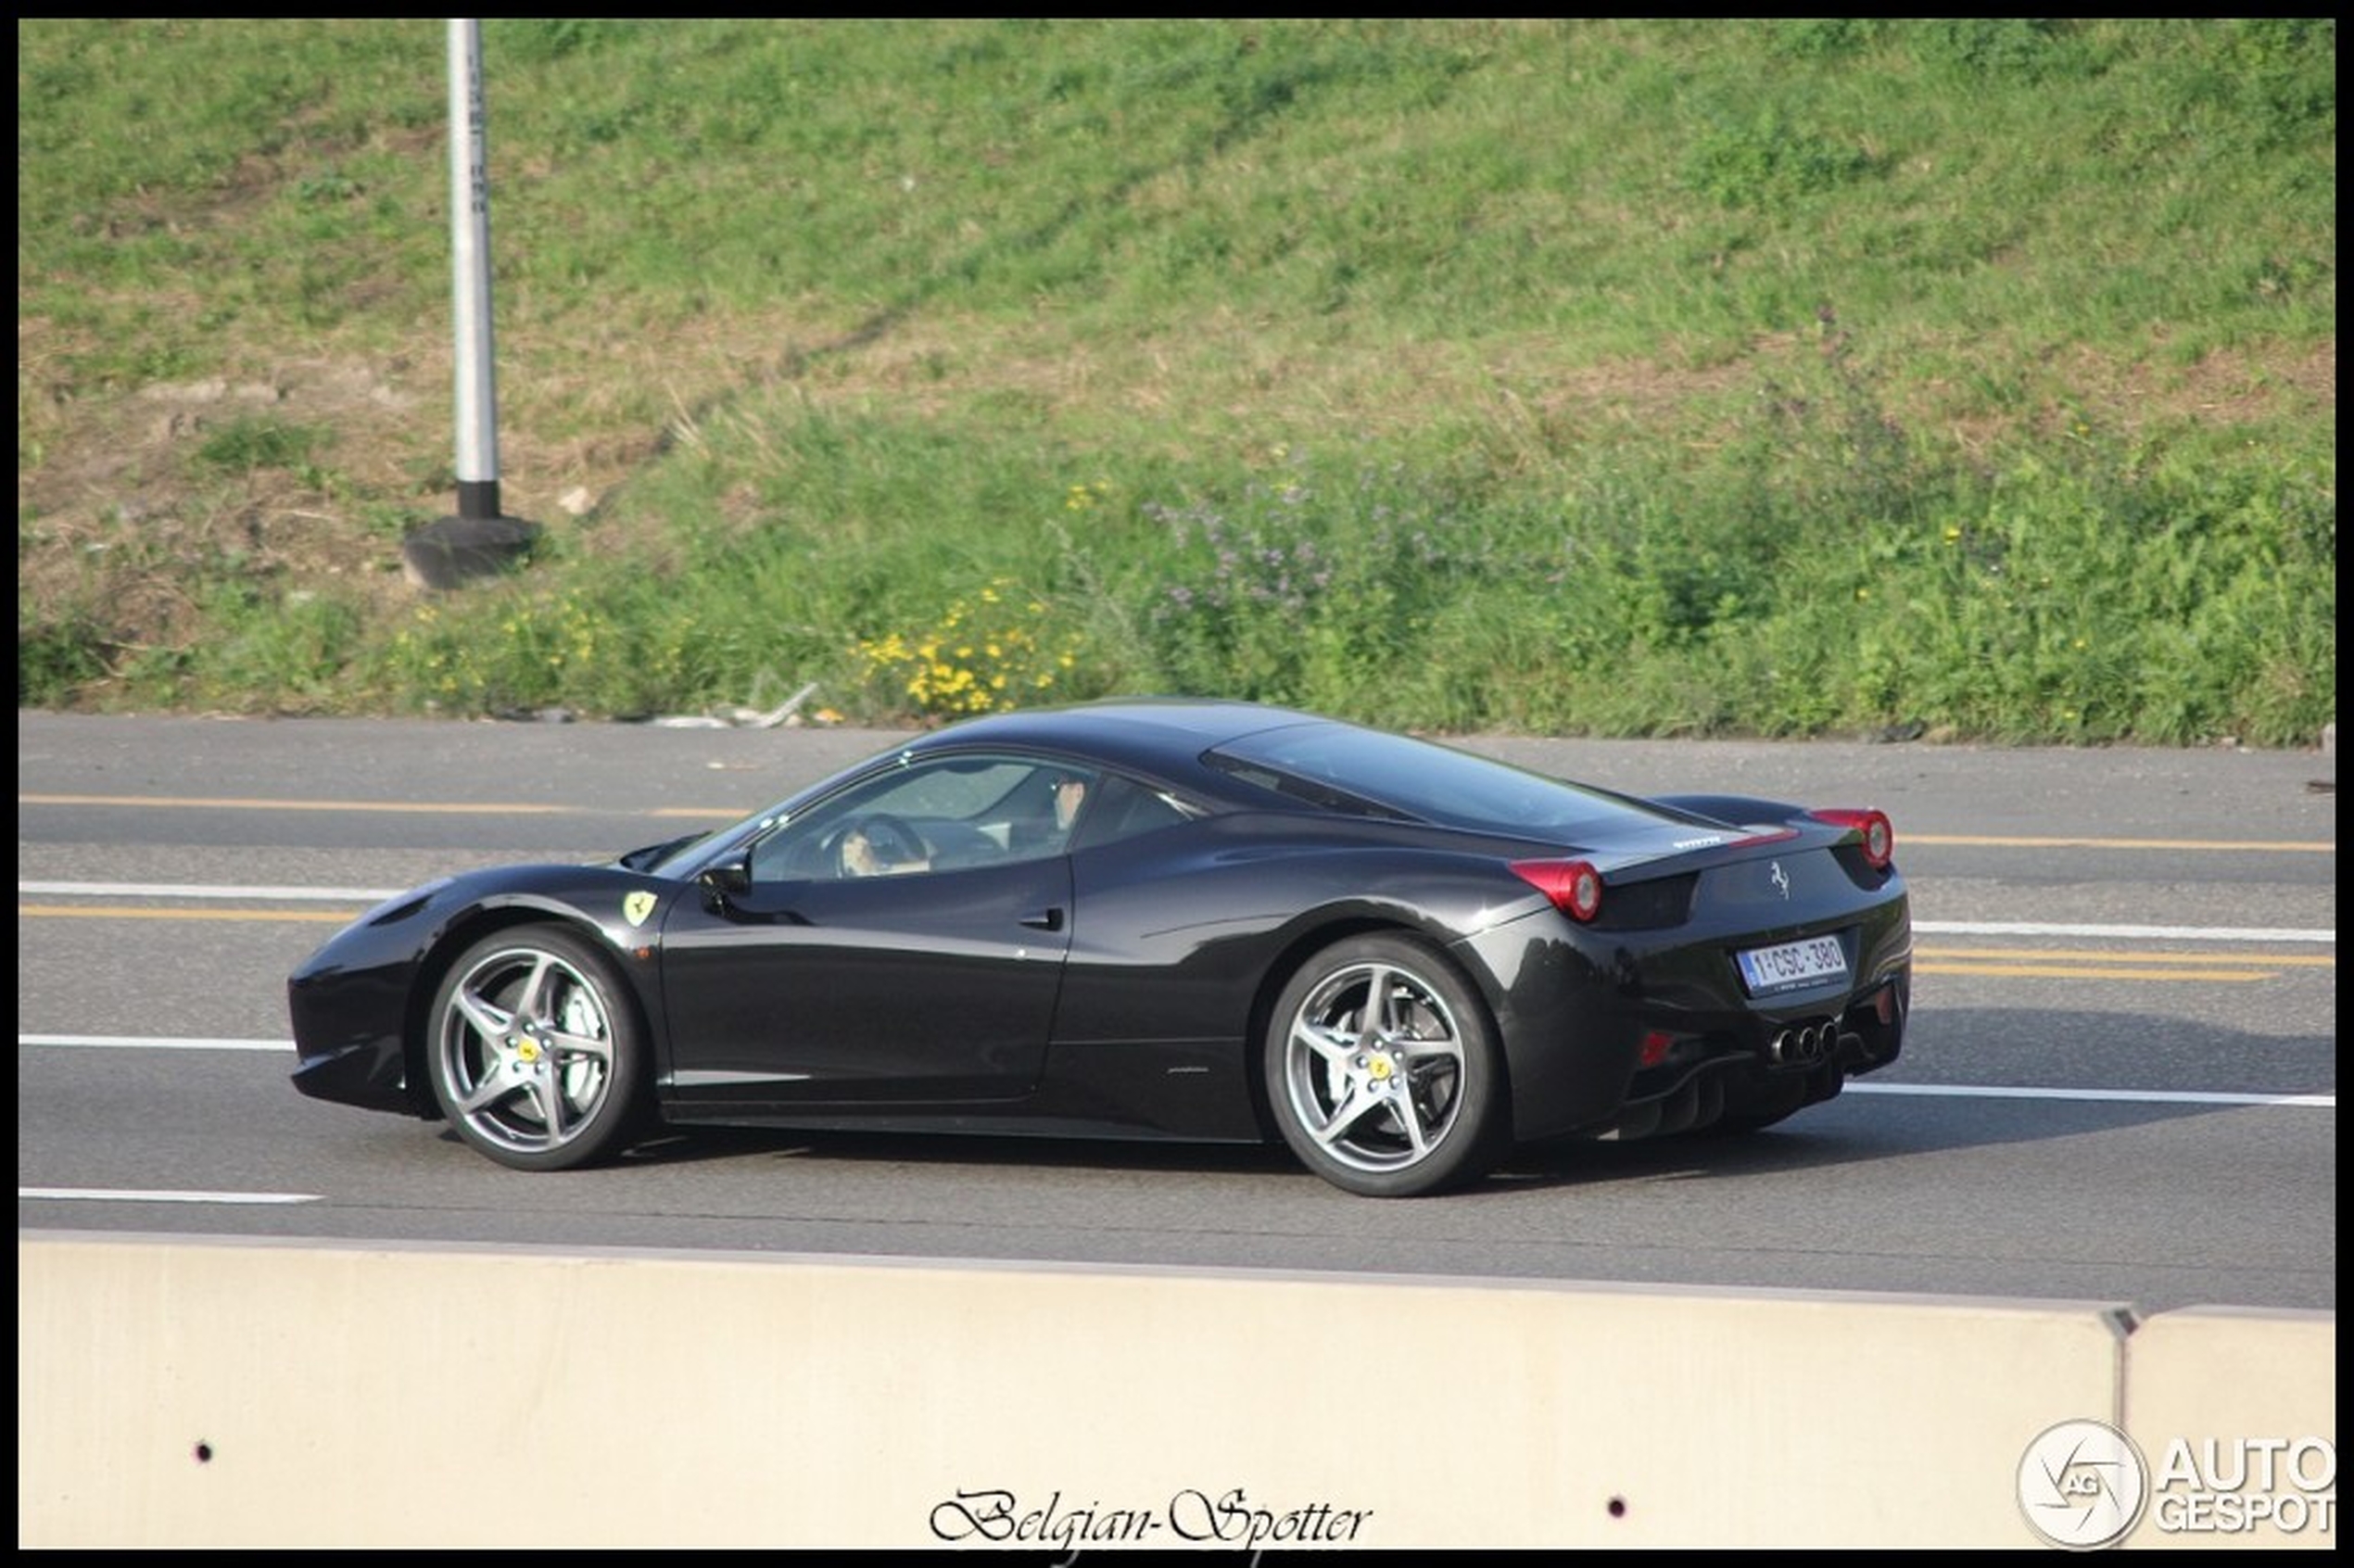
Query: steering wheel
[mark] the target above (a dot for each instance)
(889, 841)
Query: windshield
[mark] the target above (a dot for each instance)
(1342, 767)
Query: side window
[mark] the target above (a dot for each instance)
(1124, 809)
(939, 814)
(1048, 809)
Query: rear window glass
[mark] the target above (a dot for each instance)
(1342, 767)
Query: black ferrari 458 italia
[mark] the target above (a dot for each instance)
(1202, 920)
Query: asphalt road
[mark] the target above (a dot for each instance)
(2120, 1083)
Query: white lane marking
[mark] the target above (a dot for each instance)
(105, 1194)
(2145, 934)
(155, 1043)
(1953, 1091)
(2104, 1096)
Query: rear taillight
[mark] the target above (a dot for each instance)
(1879, 838)
(1575, 887)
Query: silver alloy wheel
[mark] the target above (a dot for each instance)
(524, 1050)
(1373, 1067)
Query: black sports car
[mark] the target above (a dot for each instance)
(1202, 920)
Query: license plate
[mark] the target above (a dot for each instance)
(1793, 964)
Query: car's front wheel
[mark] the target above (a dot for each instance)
(535, 1055)
(1384, 1071)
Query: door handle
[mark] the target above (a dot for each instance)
(1050, 920)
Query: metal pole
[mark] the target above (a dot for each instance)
(470, 272)
(480, 539)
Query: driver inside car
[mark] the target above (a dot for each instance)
(867, 851)
(1070, 793)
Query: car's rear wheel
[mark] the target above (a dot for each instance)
(535, 1055)
(1384, 1072)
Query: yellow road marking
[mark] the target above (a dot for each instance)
(1981, 841)
(2079, 972)
(73, 912)
(443, 808)
(465, 808)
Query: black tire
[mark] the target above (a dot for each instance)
(535, 1051)
(1413, 1105)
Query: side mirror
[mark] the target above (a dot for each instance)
(727, 879)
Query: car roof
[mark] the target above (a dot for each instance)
(1163, 735)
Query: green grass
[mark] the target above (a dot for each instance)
(1776, 378)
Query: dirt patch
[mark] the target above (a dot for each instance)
(128, 499)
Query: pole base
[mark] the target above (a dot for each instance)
(453, 551)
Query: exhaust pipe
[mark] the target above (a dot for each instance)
(1803, 1045)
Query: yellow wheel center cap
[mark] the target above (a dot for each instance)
(1379, 1068)
(528, 1050)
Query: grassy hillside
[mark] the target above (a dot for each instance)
(1970, 378)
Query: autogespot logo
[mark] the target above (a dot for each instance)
(2082, 1485)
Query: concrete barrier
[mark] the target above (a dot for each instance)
(191, 1393)
(2235, 1413)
